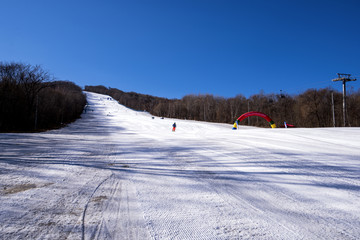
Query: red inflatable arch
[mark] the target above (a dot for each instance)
(258, 114)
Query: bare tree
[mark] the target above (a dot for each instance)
(27, 95)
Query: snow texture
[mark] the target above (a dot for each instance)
(122, 174)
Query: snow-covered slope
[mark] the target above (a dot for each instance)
(120, 174)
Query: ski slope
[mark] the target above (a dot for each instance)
(119, 174)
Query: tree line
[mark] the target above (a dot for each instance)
(31, 101)
(312, 108)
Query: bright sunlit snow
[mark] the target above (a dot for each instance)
(122, 174)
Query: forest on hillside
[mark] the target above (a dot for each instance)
(312, 108)
(31, 101)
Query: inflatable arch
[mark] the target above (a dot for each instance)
(258, 114)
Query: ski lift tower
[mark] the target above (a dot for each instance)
(343, 77)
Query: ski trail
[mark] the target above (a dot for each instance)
(210, 215)
(247, 199)
(271, 200)
(113, 212)
(87, 204)
(120, 174)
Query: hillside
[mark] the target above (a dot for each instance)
(117, 173)
(312, 108)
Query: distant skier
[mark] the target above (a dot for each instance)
(174, 127)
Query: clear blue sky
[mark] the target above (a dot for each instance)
(171, 48)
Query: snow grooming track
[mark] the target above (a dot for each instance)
(274, 210)
(172, 209)
(197, 204)
(86, 206)
(236, 216)
(297, 211)
(112, 212)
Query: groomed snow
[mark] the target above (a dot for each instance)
(120, 174)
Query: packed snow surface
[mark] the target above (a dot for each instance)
(122, 174)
